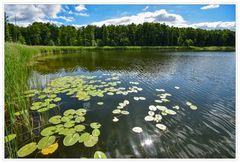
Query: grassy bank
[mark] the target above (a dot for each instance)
(56, 49)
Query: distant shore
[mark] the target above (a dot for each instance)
(64, 49)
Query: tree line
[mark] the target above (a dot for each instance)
(146, 34)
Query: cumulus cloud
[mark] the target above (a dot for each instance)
(209, 7)
(216, 25)
(158, 16)
(28, 13)
(80, 8)
(145, 8)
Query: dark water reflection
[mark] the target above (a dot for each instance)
(205, 78)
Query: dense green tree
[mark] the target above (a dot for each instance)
(146, 34)
(7, 36)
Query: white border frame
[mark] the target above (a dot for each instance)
(236, 2)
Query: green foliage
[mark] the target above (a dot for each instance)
(146, 34)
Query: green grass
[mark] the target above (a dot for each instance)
(17, 58)
(63, 49)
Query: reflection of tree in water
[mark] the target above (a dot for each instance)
(153, 62)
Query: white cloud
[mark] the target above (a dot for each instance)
(216, 25)
(26, 14)
(81, 14)
(145, 8)
(210, 7)
(68, 19)
(159, 16)
(80, 8)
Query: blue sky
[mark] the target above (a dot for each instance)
(200, 16)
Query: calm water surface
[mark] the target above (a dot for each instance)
(205, 78)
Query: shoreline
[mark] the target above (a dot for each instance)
(63, 49)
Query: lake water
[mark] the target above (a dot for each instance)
(207, 79)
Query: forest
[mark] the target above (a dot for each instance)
(146, 34)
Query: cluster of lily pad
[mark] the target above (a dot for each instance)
(156, 112)
(120, 110)
(71, 126)
(80, 87)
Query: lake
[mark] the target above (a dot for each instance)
(206, 79)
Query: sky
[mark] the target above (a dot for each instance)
(206, 16)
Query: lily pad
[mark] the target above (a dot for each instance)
(55, 119)
(91, 141)
(171, 112)
(46, 141)
(126, 102)
(152, 108)
(65, 119)
(81, 111)
(188, 103)
(137, 129)
(57, 99)
(95, 125)
(142, 98)
(48, 131)
(100, 103)
(67, 131)
(69, 112)
(151, 113)
(124, 112)
(116, 111)
(162, 108)
(79, 128)
(79, 119)
(136, 98)
(84, 137)
(70, 140)
(96, 132)
(149, 118)
(50, 149)
(161, 126)
(27, 149)
(99, 155)
(68, 124)
(158, 101)
(176, 107)
(193, 107)
(9, 137)
(115, 119)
